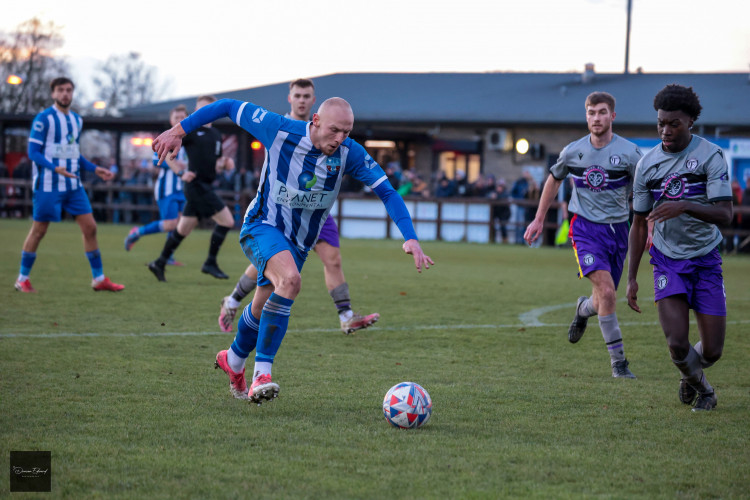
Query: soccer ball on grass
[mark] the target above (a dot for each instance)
(407, 406)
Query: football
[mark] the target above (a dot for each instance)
(407, 406)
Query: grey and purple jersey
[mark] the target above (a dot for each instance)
(602, 178)
(697, 174)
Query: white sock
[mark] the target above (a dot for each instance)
(346, 315)
(22, 277)
(99, 278)
(231, 303)
(236, 363)
(262, 368)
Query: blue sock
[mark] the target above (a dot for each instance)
(273, 324)
(247, 334)
(154, 227)
(95, 260)
(27, 261)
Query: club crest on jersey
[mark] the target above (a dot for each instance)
(614, 160)
(691, 164)
(674, 187)
(661, 282)
(333, 164)
(595, 178)
(588, 259)
(38, 126)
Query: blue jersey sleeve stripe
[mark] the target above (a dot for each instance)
(378, 182)
(239, 114)
(37, 141)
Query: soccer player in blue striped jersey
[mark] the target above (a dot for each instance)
(602, 165)
(301, 100)
(56, 160)
(167, 191)
(299, 182)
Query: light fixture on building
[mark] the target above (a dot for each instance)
(141, 141)
(380, 144)
(522, 146)
(100, 105)
(14, 80)
(256, 145)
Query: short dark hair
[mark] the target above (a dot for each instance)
(676, 97)
(595, 98)
(206, 97)
(178, 108)
(302, 83)
(60, 80)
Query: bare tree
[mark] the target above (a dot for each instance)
(125, 81)
(28, 52)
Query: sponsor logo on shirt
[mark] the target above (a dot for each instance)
(65, 151)
(674, 187)
(595, 178)
(307, 180)
(38, 126)
(293, 198)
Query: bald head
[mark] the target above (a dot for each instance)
(336, 105)
(332, 124)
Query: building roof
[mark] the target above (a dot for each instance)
(499, 99)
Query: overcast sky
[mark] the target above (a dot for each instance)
(211, 46)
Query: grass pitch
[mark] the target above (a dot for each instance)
(121, 387)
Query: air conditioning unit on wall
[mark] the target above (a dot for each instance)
(498, 139)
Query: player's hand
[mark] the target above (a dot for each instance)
(632, 295)
(420, 259)
(533, 231)
(666, 211)
(104, 174)
(188, 176)
(168, 143)
(65, 173)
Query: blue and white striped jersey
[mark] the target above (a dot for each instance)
(298, 183)
(168, 183)
(58, 134)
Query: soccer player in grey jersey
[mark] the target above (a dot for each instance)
(682, 186)
(602, 165)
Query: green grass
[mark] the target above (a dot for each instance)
(130, 411)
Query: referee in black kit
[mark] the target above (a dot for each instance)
(203, 147)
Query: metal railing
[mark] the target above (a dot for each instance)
(134, 204)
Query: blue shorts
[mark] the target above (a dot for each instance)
(260, 242)
(329, 232)
(170, 207)
(699, 279)
(599, 247)
(48, 206)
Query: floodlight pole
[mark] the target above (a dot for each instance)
(627, 38)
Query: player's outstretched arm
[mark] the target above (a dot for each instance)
(37, 156)
(421, 260)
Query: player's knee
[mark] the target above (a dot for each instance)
(712, 355)
(678, 350)
(289, 285)
(170, 225)
(333, 262)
